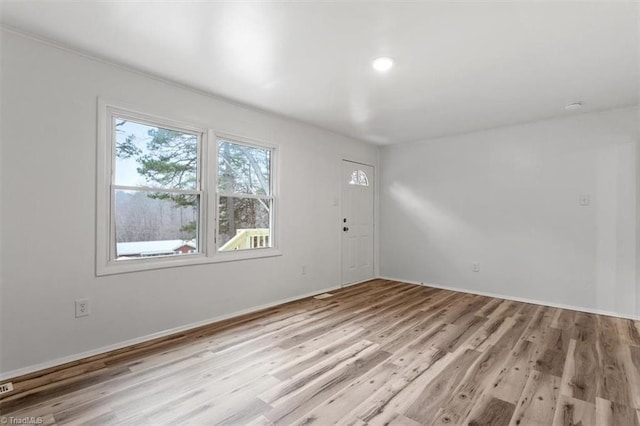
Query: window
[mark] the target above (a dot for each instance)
(245, 198)
(168, 198)
(359, 177)
(156, 189)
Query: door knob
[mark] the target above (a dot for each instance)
(345, 229)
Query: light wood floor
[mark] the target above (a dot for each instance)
(378, 353)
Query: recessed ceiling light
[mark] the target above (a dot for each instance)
(574, 105)
(382, 64)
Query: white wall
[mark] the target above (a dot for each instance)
(48, 211)
(508, 198)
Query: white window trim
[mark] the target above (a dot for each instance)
(105, 264)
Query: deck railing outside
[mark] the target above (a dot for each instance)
(247, 239)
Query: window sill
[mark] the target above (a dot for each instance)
(137, 265)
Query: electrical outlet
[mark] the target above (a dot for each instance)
(475, 266)
(6, 387)
(82, 308)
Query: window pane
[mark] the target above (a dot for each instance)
(155, 157)
(359, 177)
(243, 223)
(243, 169)
(155, 224)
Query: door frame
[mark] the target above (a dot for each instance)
(374, 237)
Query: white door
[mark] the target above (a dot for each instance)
(357, 222)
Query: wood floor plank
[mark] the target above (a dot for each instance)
(400, 420)
(550, 360)
(377, 353)
(463, 330)
(306, 377)
(158, 393)
(569, 371)
(512, 378)
(609, 413)
(237, 407)
(496, 413)
(628, 331)
(538, 401)
(490, 333)
(433, 396)
(631, 361)
(341, 403)
(586, 361)
(287, 411)
(540, 324)
(614, 385)
(402, 334)
(260, 421)
(507, 308)
(480, 376)
(573, 412)
(378, 407)
(489, 307)
(309, 356)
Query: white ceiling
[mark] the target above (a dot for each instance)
(459, 66)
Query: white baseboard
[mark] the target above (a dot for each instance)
(518, 299)
(358, 282)
(135, 341)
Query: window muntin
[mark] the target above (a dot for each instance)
(156, 190)
(245, 196)
(359, 177)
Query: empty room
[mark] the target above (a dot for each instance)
(320, 212)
